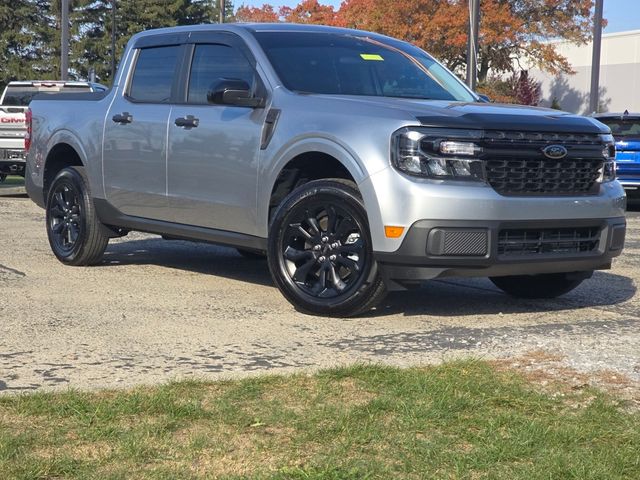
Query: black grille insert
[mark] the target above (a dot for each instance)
(561, 241)
(515, 164)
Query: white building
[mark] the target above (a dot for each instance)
(619, 75)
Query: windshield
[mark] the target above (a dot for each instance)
(21, 96)
(623, 127)
(338, 64)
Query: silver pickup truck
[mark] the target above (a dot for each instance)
(356, 162)
(14, 102)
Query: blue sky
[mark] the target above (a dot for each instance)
(622, 14)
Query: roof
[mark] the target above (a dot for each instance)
(260, 27)
(625, 114)
(23, 83)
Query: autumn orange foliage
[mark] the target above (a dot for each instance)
(510, 30)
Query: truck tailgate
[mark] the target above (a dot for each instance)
(12, 127)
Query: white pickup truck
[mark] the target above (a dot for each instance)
(13, 105)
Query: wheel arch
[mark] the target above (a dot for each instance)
(312, 159)
(63, 150)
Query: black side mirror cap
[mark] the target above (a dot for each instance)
(231, 91)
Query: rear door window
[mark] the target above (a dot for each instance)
(214, 62)
(153, 75)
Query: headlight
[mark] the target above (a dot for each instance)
(608, 171)
(438, 153)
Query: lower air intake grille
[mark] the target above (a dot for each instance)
(561, 241)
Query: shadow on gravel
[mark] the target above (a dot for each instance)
(447, 297)
(20, 195)
(478, 296)
(194, 257)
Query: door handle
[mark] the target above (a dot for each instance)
(123, 118)
(187, 122)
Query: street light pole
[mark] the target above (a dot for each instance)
(113, 40)
(64, 41)
(594, 95)
(221, 20)
(472, 43)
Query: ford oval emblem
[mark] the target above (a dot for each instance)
(555, 152)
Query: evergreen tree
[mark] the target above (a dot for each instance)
(30, 33)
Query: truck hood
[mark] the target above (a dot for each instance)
(490, 116)
(628, 145)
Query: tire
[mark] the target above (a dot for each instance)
(319, 250)
(251, 255)
(75, 234)
(548, 285)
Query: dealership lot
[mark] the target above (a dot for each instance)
(157, 310)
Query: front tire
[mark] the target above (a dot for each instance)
(548, 285)
(75, 233)
(320, 253)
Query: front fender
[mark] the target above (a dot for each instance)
(270, 169)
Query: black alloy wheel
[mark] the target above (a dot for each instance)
(65, 217)
(75, 233)
(320, 250)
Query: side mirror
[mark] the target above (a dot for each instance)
(232, 91)
(483, 98)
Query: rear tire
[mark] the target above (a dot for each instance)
(320, 253)
(548, 285)
(75, 234)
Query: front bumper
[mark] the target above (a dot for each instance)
(631, 186)
(477, 249)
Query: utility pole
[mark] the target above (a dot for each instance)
(472, 43)
(64, 42)
(594, 96)
(221, 12)
(113, 41)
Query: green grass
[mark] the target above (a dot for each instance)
(459, 420)
(13, 181)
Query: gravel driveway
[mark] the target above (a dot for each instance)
(157, 310)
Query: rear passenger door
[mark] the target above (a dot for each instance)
(135, 136)
(212, 165)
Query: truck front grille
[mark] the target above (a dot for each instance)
(515, 163)
(553, 177)
(561, 241)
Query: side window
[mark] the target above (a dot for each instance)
(213, 62)
(153, 74)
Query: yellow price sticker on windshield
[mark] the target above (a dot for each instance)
(372, 56)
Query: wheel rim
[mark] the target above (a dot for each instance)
(65, 222)
(324, 250)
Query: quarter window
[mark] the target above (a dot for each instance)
(153, 74)
(212, 63)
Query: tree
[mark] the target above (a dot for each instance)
(307, 11)
(527, 91)
(30, 33)
(264, 14)
(555, 104)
